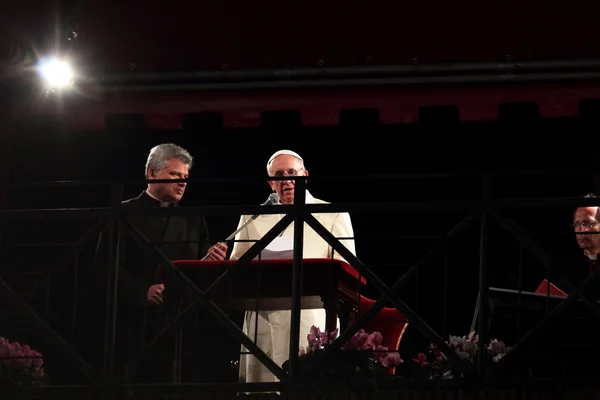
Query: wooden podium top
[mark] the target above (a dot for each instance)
(309, 263)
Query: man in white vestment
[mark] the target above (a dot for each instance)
(273, 333)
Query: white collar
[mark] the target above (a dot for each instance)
(162, 203)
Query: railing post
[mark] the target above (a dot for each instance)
(299, 201)
(116, 196)
(5, 145)
(596, 171)
(483, 325)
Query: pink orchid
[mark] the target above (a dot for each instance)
(466, 347)
(473, 337)
(374, 340)
(383, 356)
(358, 341)
(316, 339)
(326, 339)
(421, 359)
(21, 359)
(390, 359)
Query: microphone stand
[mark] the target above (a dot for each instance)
(272, 200)
(238, 230)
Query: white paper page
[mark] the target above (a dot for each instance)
(281, 248)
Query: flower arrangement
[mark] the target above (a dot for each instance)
(361, 340)
(19, 364)
(435, 365)
(362, 359)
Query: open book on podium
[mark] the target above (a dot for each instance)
(553, 290)
(545, 297)
(567, 344)
(281, 248)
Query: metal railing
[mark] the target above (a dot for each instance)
(483, 211)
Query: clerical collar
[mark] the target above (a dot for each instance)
(160, 202)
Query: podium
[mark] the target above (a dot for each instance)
(567, 348)
(329, 284)
(267, 285)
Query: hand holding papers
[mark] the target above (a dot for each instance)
(281, 248)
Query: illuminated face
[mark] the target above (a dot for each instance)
(169, 192)
(285, 165)
(585, 220)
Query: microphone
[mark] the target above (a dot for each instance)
(271, 200)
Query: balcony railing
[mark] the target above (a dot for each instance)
(484, 214)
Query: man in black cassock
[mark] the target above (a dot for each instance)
(578, 327)
(586, 226)
(586, 223)
(141, 311)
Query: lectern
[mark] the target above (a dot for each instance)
(568, 347)
(267, 285)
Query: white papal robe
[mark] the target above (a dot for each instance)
(273, 331)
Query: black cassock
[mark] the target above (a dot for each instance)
(138, 322)
(575, 271)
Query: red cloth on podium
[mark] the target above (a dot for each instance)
(309, 261)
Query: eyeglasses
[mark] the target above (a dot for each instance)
(584, 224)
(287, 172)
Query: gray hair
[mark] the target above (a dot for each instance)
(161, 154)
(589, 196)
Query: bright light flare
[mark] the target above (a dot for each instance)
(57, 73)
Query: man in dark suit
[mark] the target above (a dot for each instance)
(586, 226)
(578, 325)
(141, 312)
(586, 222)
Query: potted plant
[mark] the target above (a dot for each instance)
(434, 364)
(20, 365)
(362, 359)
